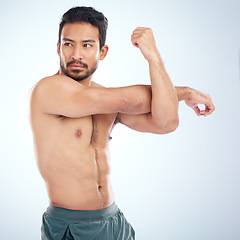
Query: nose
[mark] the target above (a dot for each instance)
(77, 53)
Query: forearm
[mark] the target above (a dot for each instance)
(144, 96)
(183, 93)
(164, 103)
(140, 97)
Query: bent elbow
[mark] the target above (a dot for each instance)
(168, 127)
(173, 124)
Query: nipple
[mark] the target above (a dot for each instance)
(110, 137)
(78, 133)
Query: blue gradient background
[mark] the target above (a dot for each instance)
(180, 186)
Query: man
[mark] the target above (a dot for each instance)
(72, 118)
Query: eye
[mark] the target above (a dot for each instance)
(67, 44)
(87, 45)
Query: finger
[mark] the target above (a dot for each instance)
(136, 37)
(203, 113)
(139, 29)
(135, 41)
(197, 110)
(209, 108)
(135, 44)
(139, 32)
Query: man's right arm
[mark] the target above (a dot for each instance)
(60, 95)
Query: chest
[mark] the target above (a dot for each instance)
(95, 129)
(102, 126)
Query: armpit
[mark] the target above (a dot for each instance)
(117, 119)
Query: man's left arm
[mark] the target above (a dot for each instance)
(163, 112)
(163, 115)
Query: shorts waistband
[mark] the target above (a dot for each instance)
(85, 215)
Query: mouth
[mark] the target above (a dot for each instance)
(76, 67)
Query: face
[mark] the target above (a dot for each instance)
(79, 50)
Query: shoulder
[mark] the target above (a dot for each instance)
(55, 83)
(56, 79)
(93, 84)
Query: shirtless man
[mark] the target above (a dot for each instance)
(72, 118)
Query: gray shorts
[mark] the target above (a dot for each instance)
(105, 224)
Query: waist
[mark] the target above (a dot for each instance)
(84, 215)
(87, 195)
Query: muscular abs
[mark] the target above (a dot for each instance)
(73, 158)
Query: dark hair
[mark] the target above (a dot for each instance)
(86, 15)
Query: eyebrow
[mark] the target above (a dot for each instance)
(68, 40)
(89, 40)
(84, 41)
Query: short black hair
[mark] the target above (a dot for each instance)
(86, 15)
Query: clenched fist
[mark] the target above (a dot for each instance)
(143, 39)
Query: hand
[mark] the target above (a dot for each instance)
(143, 39)
(195, 97)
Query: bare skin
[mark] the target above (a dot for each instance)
(73, 158)
(72, 120)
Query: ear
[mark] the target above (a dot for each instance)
(58, 48)
(103, 52)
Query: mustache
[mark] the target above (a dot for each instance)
(77, 62)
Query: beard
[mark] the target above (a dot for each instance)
(76, 74)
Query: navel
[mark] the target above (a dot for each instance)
(78, 133)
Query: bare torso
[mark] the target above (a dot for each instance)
(73, 158)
